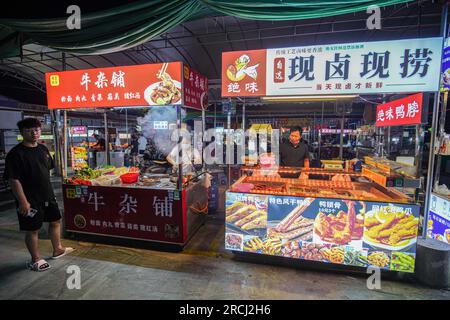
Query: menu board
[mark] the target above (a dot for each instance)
(79, 157)
(354, 233)
(438, 224)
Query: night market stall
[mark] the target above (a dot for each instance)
(105, 195)
(346, 212)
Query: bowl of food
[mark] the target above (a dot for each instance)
(130, 177)
(234, 241)
(164, 92)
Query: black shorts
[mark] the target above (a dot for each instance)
(46, 212)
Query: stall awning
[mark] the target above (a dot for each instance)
(116, 29)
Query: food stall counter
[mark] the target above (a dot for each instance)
(342, 219)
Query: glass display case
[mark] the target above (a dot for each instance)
(316, 182)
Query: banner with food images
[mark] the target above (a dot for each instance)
(354, 233)
(246, 214)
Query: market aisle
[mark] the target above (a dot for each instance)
(115, 272)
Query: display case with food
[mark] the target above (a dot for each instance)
(328, 216)
(316, 182)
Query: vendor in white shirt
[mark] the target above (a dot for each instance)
(142, 144)
(189, 156)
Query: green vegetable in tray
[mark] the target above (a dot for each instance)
(87, 173)
(355, 258)
(361, 260)
(402, 262)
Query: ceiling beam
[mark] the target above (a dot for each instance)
(179, 51)
(203, 47)
(242, 31)
(23, 77)
(153, 51)
(130, 57)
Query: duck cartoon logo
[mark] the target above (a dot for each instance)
(242, 68)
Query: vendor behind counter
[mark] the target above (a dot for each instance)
(101, 143)
(294, 153)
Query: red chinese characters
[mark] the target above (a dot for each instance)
(195, 89)
(115, 86)
(279, 70)
(404, 111)
(126, 212)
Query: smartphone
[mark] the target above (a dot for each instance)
(31, 213)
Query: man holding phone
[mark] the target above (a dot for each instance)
(27, 169)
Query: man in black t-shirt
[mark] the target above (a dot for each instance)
(100, 145)
(134, 149)
(294, 153)
(27, 169)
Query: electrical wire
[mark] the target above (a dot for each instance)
(368, 100)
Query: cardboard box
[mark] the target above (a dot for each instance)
(221, 199)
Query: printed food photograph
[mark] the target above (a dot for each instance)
(378, 259)
(354, 257)
(294, 227)
(342, 228)
(253, 244)
(402, 261)
(438, 237)
(165, 92)
(291, 249)
(313, 251)
(272, 246)
(334, 254)
(247, 218)
(390, 228)
(234, 241)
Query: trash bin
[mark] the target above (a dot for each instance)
(433, 263)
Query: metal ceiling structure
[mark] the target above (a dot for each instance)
(200, 44)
